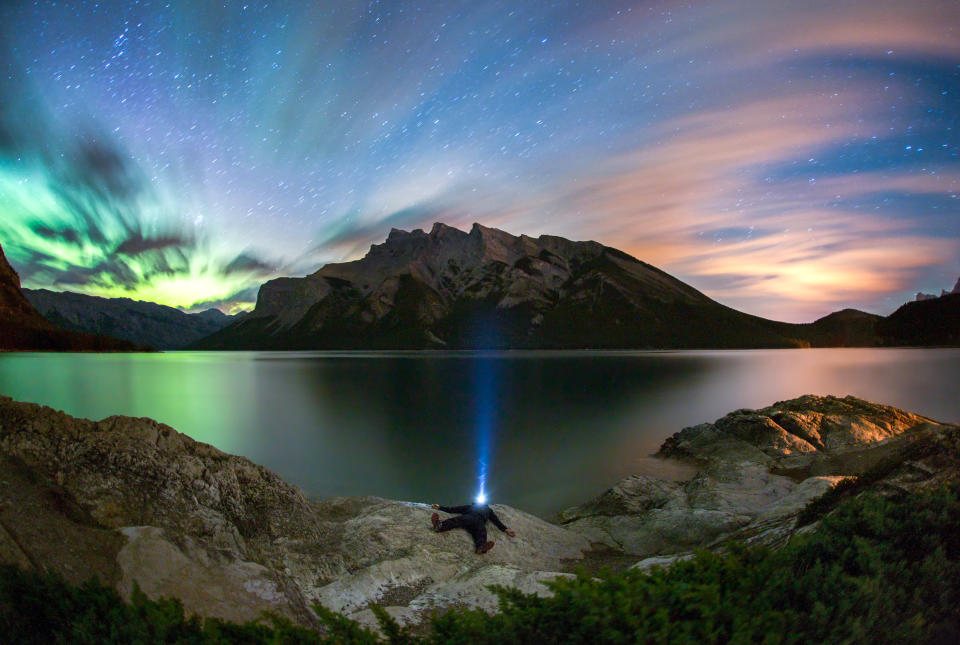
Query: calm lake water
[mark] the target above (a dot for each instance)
(558, 427)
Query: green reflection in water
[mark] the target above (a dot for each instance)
(403, 425)
(198, 394)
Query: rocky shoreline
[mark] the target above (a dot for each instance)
(134, 501)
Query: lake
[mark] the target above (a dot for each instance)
(553, 428)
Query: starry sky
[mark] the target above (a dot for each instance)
(788, 159)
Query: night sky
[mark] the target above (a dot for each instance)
(786, 158)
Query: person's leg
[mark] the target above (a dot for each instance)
(478, 531)
(455, 522)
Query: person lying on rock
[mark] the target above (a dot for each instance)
(472, 518)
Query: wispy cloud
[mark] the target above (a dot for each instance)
(786, 158)
(699, 204)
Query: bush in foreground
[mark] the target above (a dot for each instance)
(877, 570)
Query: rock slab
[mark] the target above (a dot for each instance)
(754, 471)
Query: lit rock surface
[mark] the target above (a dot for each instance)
(231, 539)
(755, 470)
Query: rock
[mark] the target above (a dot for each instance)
(228, 588)
(756, 469)
(385, 553)
(231, 539)
(661, 561)
(134, 501)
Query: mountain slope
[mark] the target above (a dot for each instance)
(144, 323)
(490, 289)
(923, 323)
(844, 328)
(22, 326)
(14, 307)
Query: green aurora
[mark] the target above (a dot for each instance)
(93, 225)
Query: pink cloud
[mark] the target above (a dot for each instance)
(663, 202)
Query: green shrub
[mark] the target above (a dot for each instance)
(877, 570)
(42, 608)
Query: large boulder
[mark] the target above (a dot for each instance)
(754, 471)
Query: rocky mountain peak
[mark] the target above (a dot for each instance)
(212, 314)
(921, 296)
(399, 235)
(443, 231)
(7, 274)
(487, 288)
(482, 288)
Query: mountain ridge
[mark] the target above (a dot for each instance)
(137, 321)
(487, 288)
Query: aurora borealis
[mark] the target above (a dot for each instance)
(787, 159)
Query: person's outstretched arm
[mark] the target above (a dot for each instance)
(454, 509)
(500, 525)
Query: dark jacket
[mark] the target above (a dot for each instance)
(481, 512)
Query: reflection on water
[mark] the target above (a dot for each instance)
(559, 427)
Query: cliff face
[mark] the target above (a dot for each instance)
(15, 309)
(22, 326)
(133, 501)
(142, 323)
(489, 289)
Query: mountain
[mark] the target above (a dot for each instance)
(489, 289)
(143, 323)
(14, 307)
(923, 323)
(22, 326)
(845, 328)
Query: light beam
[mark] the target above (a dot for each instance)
(484, 388)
